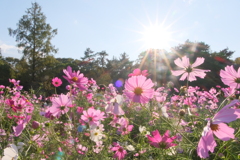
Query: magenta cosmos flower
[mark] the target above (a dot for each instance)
(231, 77)
(217, 126)
(60, 105)
(75, 77)
(56, 82)
(159, 141)
(120, 152)
(189, 71)
(138, 72)
(139, 89)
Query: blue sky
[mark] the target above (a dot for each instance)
(118, 26)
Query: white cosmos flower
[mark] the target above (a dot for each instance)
(142, 129)
(20, 146)
(10, 153)
(130, 148)
(96, 135)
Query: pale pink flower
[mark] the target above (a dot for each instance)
(138, 72)
(92, 116)
(159, 141)
(114, 106)
(60, 105)
(81, 149)
(217, 126)
(231, 77)
(139, 89)
(21, 125)
(56, 82)
(124, 128)
(189, 71)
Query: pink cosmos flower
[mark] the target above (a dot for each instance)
(60, 105)
(217, 126)
(21, 125)
(56, 82)
(120, 151)
(16, 84)
(92, 116)
(75, 77)
(159, 141)
(231, 77)
(138, 72)
(124, 128)
(189, 71)
(138, 89)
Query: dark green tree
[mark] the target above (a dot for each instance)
(34, 36)
(102, 58)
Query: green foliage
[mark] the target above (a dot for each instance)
(34, 36)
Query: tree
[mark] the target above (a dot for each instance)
(102, 58)
(237, 61)
(34, 36)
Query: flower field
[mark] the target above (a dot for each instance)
(94, 121)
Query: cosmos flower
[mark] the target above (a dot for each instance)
(56, 82)
(96, 135)
(143, 130)
(75, 77)
(124, 127)
(159, 141)
(114, 106)
(138, 72)
(231, 77)
(92, 116)
(139, 89)
(10, 153)
(217, 126)
(60, 105)
(189, 71)
(21, 125)
(120, 151)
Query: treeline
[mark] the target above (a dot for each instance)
(98, 66)
(38, 65)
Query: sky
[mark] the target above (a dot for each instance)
(130, 26)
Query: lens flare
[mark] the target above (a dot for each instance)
(119, 83)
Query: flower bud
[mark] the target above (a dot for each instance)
(35, 124)
(170, 84)
(181, 112)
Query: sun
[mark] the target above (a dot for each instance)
(156, 37)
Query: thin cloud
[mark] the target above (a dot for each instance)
(5, 47)
(10, 50)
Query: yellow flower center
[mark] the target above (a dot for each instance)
(74, 79)
(214, 127)
(138, 91)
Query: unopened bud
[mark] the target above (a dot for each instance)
(181, 112)
(35, 124)
(170, 84)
